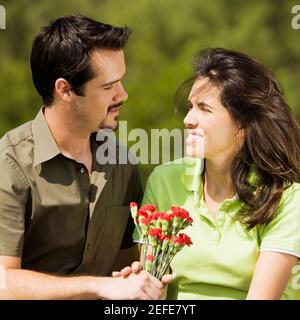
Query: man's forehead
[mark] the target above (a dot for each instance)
(106, 58)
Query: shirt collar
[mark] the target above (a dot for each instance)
(45, 146)
(192, 175)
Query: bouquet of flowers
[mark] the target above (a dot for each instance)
(159, 235)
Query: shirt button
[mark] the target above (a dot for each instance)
(82, 170)
(86, 200)
(215, 235)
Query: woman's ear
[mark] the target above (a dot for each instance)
(240, 134)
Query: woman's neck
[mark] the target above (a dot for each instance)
(217, 180)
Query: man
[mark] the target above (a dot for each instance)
(64, 217)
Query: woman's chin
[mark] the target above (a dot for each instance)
(193, 153)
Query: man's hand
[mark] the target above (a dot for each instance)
(136, 267)
(140, 286)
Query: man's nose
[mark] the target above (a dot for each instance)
(121, 94)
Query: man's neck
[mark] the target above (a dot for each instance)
(73, 140)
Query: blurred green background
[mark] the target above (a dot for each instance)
(166, 36)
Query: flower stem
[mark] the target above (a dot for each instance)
(145, 249)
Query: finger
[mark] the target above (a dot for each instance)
(136, 267)
(166, 279)
(116, 274)
(153, 287)
(126, 271)
(153, 280)
(153, 293)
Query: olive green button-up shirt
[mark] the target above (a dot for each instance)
(53, 214)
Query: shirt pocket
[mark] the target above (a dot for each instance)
(109, 242)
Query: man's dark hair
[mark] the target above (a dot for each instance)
(62, 50)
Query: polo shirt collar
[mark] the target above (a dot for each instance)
(192, 175)
(45, 146)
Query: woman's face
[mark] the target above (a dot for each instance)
(212, 133)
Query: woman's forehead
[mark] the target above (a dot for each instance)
(204, 88)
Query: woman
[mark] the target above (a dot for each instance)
(244, 196)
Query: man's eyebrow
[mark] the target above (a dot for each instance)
(112, 82)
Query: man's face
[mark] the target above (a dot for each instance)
(104, 94)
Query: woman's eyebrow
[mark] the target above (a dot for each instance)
(199, 103)
(202, 103)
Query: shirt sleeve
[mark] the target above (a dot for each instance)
(148, 199)
(137, 196)
(282, 234)
(13, 194)
(149, 194)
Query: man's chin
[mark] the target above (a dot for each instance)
(113, 126)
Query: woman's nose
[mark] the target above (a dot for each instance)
(190, 121)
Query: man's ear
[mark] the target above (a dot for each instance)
(63, 90)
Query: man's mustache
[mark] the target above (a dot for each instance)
(113, 106)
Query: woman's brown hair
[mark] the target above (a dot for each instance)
(254, 98)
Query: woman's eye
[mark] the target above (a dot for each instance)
(190, 106)
(108, 88)
(203, 107)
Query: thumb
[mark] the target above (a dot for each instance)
(136, 266)
(167, 279)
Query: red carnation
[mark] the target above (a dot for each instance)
(155, 232)
(149, 257)
(148, 207)
(160, 231)
(185, 239)
(143, 213)
(133, 204)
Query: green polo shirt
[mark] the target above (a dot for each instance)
(53, 214)
(222, 259)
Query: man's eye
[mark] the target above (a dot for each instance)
(108, 87)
